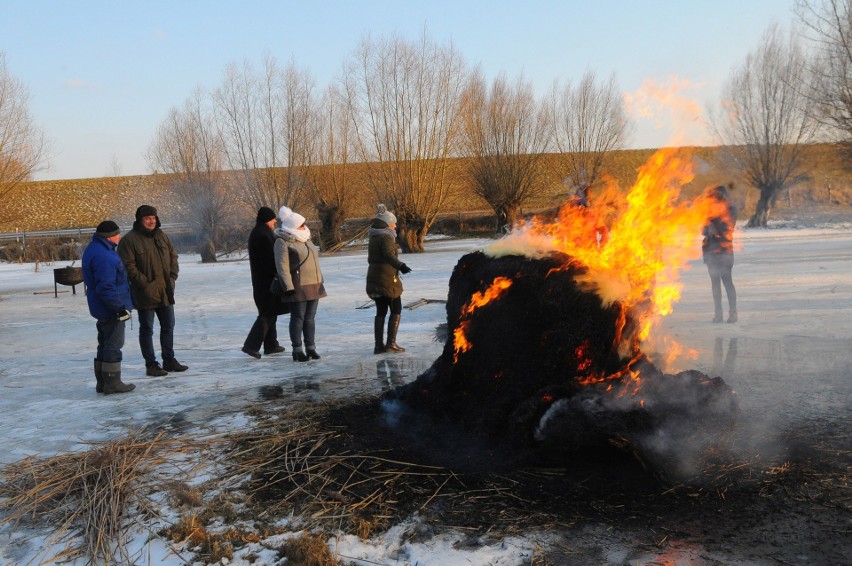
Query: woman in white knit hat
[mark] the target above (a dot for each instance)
(297, 262)
(383, 283)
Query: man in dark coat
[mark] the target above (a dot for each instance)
(110, 303)
(152, 267)
(262, 264)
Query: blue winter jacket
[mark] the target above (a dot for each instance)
(107, 287)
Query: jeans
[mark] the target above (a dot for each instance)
(110, 339)
(166, 316)
(720, 274)
(302, 316)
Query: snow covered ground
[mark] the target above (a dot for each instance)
(790, 352)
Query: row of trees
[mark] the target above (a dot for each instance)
(404, 110)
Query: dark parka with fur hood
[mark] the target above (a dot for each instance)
(151, 263)
(383, 271)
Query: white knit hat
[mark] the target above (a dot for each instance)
(290, 219)
(386, 216)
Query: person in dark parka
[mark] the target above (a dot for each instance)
(718, 250)
(110, 302)
(383, 283)
(262, 264)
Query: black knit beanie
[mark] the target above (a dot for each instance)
(145, 210)
(107, 229)
(265, 214)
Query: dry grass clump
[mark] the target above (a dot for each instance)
(308, 550)
(88, 500)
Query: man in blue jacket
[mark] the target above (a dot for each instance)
(110, 302)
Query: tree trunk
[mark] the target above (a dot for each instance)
(411, 234)
(507, 216)
(331, 219)
(207, 249)
(761, 211)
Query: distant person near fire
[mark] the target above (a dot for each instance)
(110, 303)
(718, 250)
(152, 267)
(384, 285)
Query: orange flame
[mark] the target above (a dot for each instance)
(649, 238)
(496, 290)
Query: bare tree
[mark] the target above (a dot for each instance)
(829, 26)
(765, 124)
(588, 123)
(505, 137)
(328, 175)
(188, 146)
(405, 97)
(23, 148)
(263, 119)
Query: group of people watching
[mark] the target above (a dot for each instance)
(139, 272)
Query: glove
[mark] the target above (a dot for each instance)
(123, 315)
(289, 292)
(404, 268)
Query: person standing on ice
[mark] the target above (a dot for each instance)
(152, 267)
(718, 250)
(383, 283)
(110, 303)
(297, 262)
(261, 250)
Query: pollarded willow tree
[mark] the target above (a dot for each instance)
(828, 24)
(505, 136)
(188, 147)
(23, 148)
(404, 98)
(588, 123)
(264, 122)
(765, 123)
(328, 177)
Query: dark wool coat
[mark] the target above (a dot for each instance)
(262, 264)
(298, 267)
(152, 266)
(107, 288)
(717, 246)
(383, 271)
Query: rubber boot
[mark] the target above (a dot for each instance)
(111, 372)
(379, 334)
(393, 326)
(99, 388)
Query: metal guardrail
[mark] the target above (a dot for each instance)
(81, 232)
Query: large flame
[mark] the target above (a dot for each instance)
(634, 244)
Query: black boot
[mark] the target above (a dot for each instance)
(393, 326)
(313, 354)
(99, 388)
(111, 372)
(174, 365)
(299, 355)
(379, 333)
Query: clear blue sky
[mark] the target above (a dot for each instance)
(103, 74)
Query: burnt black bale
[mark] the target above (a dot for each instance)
(522, 343)
(520, 388)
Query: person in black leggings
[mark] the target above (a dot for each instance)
(383, 283)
